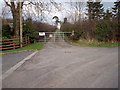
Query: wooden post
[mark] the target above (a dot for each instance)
(54, 36)
(13, 43)
(45, 38)
(63, 36)
(21, 40)
(25, 40)
(28, 40)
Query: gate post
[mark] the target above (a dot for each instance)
(54, 37)
(45, 38)
(63, 36)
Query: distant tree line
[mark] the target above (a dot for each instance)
(32, 9)
(101, 25)
(30, 28)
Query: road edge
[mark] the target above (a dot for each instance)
(12, 69)
(15, 52)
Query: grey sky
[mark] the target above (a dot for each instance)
(107, 5)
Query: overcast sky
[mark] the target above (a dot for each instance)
(108, 4)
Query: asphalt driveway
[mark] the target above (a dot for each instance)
(60, 65)
(9, 60)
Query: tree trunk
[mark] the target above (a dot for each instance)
(15, 9)
(16, 22)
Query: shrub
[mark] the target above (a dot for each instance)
(43, 27)
(6, 31)
(28, 30)
(67, 27)
(78, 33)
(103, 31)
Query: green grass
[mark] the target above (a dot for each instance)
(35, 46)
(95, 44)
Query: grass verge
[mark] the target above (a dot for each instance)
(34, 46)
(95, 44)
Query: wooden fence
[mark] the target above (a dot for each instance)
(26, 41)
(14, 43)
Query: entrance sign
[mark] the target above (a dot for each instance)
(41, 33)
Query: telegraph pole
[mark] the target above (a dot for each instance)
(21, 30)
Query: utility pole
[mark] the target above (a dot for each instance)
(21, 39)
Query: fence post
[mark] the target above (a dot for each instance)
(25, 40)
(28, 40)
(63, 37)
(13, 44)
(54, 37)
(44, 38)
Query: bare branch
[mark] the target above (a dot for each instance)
(7, 3)
(30, 3)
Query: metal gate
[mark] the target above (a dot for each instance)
(55, 36)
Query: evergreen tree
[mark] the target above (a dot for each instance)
(56, 20)
(29, 30)
(65, 20)
(116, 15)
(6, 31)
(95, 9)
(107, 15)
(90, 9)
(116, 9)
(98, 10)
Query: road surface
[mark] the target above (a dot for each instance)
(60, 65)
(9, 60)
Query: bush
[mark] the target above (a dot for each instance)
(6, 31)
(103, 31)
(116, 31)
(78, 34)
(67, 27)
(78, 31)
(29, 30)
(43, 27)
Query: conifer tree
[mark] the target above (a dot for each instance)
(98, 10)
(95, 9)
(90, 9)
(107, 15)
(116, 9)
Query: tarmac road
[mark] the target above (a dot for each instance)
(9, 60)
(60, 65)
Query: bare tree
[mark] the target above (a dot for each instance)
(40, 9)
(5, 13)
(15, 10)
(74, 12)
(39, 6)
